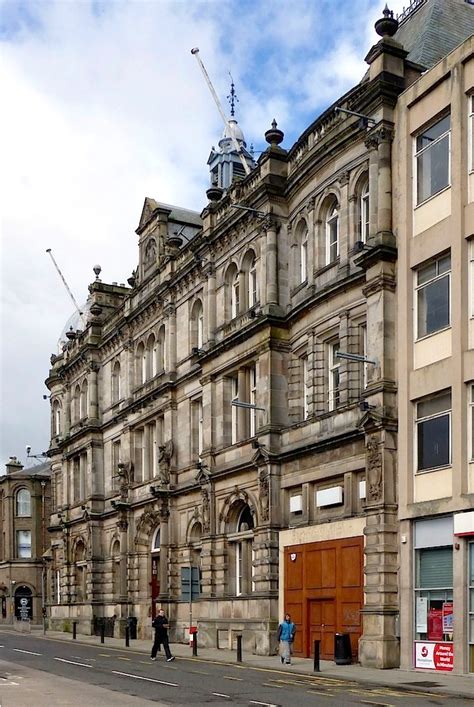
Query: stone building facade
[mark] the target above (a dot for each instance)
(24, 518)
(224, 430)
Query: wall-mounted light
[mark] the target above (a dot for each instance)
(255, 212)
(364, 120)
(354, 357)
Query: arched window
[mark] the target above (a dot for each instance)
(115, 382)
(151, 356)
(197, 325)
(249, 268)
(140, 364)
(243, 552)
(156, 544)
(23, 503)
(364, 214)
(83, 408)
(332, 234)
(76, 403)
(161, 350)
(116, 568)
(56, 413)
(80, 571)
(232, 292)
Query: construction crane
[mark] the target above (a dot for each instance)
(236, 145)
(81, 314)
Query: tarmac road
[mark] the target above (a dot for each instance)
(37, 671)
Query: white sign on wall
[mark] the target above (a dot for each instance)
(421, 615)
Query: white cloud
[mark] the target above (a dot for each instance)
(101, 110)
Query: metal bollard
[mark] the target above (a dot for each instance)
(195, 643)
(316, 667)
(239, 648)
(127, 637)
(74, 630)
(102, 633)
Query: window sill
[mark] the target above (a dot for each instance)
(433, 468)
(433, 333)
(430, 198)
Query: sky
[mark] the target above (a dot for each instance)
(102, 105)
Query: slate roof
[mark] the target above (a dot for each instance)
(434, 28)
(41, 470)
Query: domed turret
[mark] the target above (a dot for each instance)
(76, 322)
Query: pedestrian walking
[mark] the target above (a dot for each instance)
(160, 624)
(286, 635)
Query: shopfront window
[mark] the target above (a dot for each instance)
(471, 607)
(434, 594)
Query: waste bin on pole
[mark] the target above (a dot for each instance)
(342, 649)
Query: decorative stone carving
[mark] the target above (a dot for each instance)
(264, 494)
(150, 251)
(206, 510)
(164, 460)
(374, 469)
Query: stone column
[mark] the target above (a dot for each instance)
(123, 587)
(242, 413)
(384, 186)
(171, 338)
(164, 548)
(344, 223)
(67, 411)
(311, 241)
(211, 304)
(92, 390)
(271, 293)
(344, 370)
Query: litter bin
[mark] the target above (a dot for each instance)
(132, 626)
(342, 649)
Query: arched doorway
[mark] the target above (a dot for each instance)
(23, 603)
(155, 571)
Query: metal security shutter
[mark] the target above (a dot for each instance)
(435, 568)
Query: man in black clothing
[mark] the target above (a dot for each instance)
(160, 624)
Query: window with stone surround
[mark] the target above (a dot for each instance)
(332, 234)
(23, 503)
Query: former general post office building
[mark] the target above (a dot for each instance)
(225, 429)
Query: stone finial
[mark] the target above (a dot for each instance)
(274, 136)
(387, 25)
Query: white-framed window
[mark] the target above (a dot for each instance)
(433, 431)
(57, 586)
(234, 409)
(116, 459)
(333, 375)
(252, 284)
(196, 428)
(84, 399)
(200, 328)
(303, 274)
(364, 213)
(471, 278)
(432, 159)
(115, 382)
(304, 365)
(139, 454)
(23, 503)
(235, 296)
(239, 573)
(471, 132)
(471, 419)
(23, 544)
(56, 417)
(253, 399)
(433, 296)
(365, 366)
(332, 235)
(151, 356)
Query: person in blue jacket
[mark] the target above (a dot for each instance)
(286, 635)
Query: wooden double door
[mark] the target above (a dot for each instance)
(323, 592)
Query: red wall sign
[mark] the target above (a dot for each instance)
(434, 656)
(435, 625)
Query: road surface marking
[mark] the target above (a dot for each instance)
(121, 657)
(229, 677)
(220, 694)
(105, 655)
(73, 662)
(379, 704)
(264, 704)
(140, 677)
(19, 650)
(199, 672)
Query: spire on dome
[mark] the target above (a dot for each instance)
(232, 97)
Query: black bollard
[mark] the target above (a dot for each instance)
(316, 667)
(127, 637)
(195, 643)
(239, 648)
(74, 630)
(102, 633)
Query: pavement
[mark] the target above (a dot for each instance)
(429, 682)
